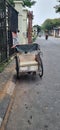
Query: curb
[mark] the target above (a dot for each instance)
(6, 101)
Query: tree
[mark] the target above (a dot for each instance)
(49, 24)
(56, 22)
(27, 3)
(57, 7)
(11, 2)
(38, 28)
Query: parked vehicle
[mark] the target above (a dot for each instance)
(28, 59)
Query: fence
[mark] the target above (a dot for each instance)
(8, 24)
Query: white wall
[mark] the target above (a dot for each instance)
(24, 26)
(22, 21)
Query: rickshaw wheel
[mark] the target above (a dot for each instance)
(41, 68)
(17, 66)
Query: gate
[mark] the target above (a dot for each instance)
(8, 24)
(3, 40)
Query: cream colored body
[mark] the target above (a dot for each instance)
(27, 62)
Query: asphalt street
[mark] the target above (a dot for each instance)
(37, 101)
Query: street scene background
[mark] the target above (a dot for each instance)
(27, 101)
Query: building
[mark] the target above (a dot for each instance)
(56, 32)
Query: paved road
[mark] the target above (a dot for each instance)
(37, 101)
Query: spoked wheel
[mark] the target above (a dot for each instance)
(17, 66)
(40, 68)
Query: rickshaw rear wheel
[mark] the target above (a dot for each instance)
(41, 68)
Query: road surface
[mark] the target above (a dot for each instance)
(37, 101)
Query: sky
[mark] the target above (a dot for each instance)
(44, 9)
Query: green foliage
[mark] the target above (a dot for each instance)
(11, 2)
(57, 7)
(27, 3)
(38, 28)
(56, 22)
(34, 38)
(47, 24)
(50, 24)
(4, 65)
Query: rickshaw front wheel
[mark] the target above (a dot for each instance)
(17, 66)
